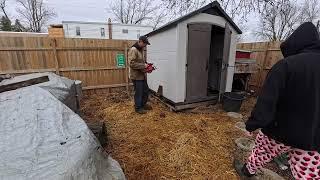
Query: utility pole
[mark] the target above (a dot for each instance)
(110, 28)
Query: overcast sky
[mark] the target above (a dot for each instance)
(94, 10)
(80, 10)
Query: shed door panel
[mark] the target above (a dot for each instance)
(225, 59)
(199, 38)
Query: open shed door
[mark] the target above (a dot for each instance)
(199, 39)
(225, 60)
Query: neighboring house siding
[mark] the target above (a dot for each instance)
(86, 30)
(93, 30)
(118, 31)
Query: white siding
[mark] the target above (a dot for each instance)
(163, 53)
(182, 50)
(86, 30)
(232, 59)
(93, 30)
(133, 31)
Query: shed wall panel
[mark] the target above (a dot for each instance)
(163, 53)
(232, 59)
(168, 51)
(183, 44)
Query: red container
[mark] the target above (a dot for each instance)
(242, 55)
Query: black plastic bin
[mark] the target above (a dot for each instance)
(232, 101)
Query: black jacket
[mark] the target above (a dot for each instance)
(288, 109)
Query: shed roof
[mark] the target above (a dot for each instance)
(213, 8)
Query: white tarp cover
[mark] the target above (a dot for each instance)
(41, 138)
(60, 87)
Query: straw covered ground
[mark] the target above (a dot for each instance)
(196, 144)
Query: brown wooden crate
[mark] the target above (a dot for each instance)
(56, 32)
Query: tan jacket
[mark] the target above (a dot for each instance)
(137, 64)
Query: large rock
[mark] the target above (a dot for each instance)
(267, 174)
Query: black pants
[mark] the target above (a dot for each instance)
(141, 93)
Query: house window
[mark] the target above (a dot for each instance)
(138, 34)
(103, 32)
(78, 31)
(125, 31)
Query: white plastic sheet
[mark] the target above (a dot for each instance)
(62, 88)
(41, 138)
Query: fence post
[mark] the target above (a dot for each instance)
(127, 69)
(54, 49)
(261, 80)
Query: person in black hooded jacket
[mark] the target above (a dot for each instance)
(288, 109)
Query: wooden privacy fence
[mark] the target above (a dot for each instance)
(92, 61)
(266, 54)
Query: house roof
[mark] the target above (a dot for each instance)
(213, 8)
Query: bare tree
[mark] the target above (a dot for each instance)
(181, 7)
(159, 18)
(6, 23)
(236, 9)
(35, 13)
(310, 11)
(279, 18)
(133, 11)
(157, 13)
(3, 6)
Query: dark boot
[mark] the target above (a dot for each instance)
(243, 171)
(141, 111)
(147, 107)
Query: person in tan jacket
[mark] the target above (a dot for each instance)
(138, 67)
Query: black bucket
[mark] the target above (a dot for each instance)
(232, 101)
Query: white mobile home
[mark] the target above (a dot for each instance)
(100, 30)
(194, 56)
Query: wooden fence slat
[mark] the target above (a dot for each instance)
(29, 82)
(105, 86)
(90, 49)
(89, 69)
(25, 49)
(90, 60)
(27, 71)
(127, 70)
(56, 60)
(264, 62)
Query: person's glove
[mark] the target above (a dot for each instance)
(150, 67)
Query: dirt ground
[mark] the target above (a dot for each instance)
(195, 144)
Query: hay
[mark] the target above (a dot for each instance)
(246, 108)
(177, 146)
(179, 155)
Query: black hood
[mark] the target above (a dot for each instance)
(136, 45)
(304, 37)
